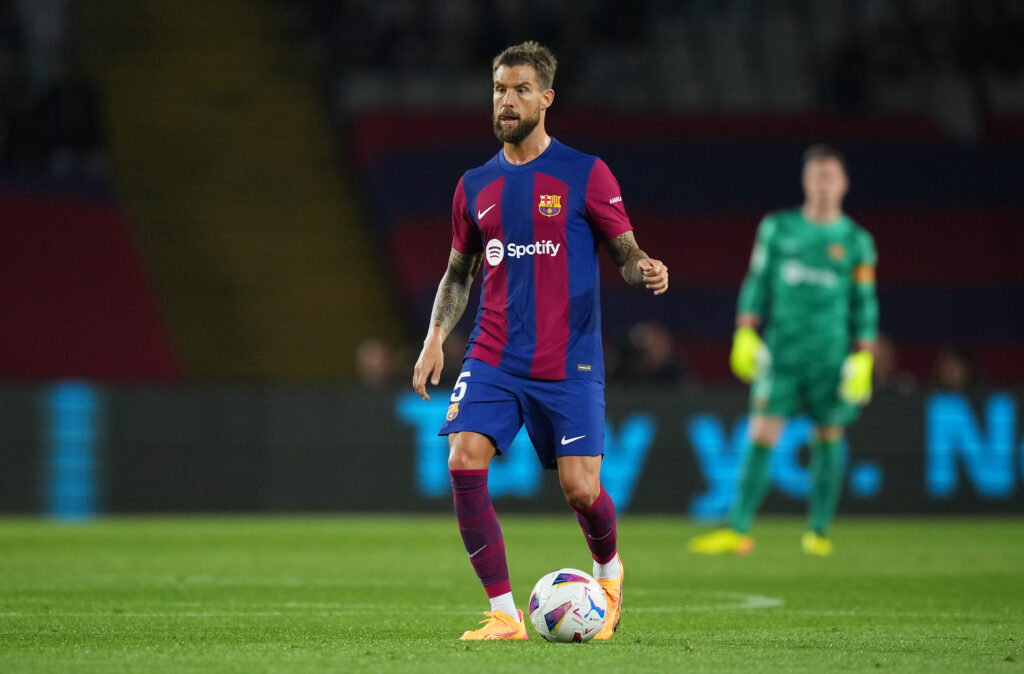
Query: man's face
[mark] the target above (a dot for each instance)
(825, 181)
(518, 102)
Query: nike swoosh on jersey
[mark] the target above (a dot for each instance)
(578, 437)
(481, 214)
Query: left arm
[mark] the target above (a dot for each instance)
(607, 215)
(855, 386)
(863, 299)
(636, 267)
(864, 314)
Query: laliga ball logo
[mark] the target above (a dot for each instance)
(494, 251)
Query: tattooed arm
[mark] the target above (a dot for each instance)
(636, 267)
(625, 254)
(449, 304)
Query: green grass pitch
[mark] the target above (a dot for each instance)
(383, 594)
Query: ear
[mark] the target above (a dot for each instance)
(546, 99)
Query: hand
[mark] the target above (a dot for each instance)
(655, 274)
(747, 349)
(428, 366)
(855, 386)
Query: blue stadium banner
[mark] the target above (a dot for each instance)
(72, 430)
(941, 452)
(302, 449)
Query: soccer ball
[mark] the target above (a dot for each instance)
(568, 605)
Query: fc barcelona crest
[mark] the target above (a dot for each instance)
(453, 411)
(550, 205)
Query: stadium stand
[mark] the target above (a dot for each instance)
(701, 109)
(226, 162)
(75, 300)
(922, 96)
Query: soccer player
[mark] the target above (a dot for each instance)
(532, 217)
(811, 292)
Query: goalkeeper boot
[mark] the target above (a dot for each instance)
(813, 544)
(498, 625)
(722, 542)
(613, 595)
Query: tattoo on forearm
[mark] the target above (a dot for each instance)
(453, 292)
(625, 254)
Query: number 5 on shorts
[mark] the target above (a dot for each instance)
(459, 390)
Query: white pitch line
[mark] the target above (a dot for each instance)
(734, 601)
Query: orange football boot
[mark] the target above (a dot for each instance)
(499, 625)
(613, 593)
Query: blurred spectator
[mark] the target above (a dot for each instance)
(44, 31)
(650, 355)
(886, 374)
(954, 369)
(375, 363)
(49, 113)
(73, 131)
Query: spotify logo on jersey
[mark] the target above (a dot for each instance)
(494, 251)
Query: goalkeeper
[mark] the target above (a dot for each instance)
(810, 293)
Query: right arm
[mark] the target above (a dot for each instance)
(747, 347)
(754, 291)
(452, 294)
(449, 305)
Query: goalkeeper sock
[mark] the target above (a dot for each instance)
(827, 467)
(754, 483)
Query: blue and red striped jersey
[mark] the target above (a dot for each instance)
(539, 225)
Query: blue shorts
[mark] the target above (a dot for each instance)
(563, 418)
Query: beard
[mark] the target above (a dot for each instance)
(518, 133)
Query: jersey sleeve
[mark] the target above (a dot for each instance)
(754, 291)
(863, 298)
(604, 208)
(465, 234)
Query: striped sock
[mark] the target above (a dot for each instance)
(598, 524)
(481, 532)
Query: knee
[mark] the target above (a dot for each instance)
(830, 433)
(459, 458)
(765, 431)
(466, 452)
(581, 496)
(459, 461)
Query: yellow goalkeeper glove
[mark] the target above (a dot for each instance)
(855, 386)
(747, 348)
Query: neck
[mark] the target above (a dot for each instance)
(822, 214)
(530, 148)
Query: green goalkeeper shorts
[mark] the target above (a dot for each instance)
(813, 389)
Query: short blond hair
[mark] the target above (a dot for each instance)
(820, 151)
